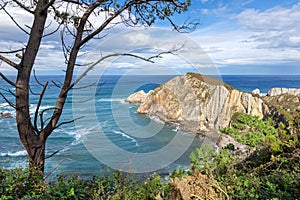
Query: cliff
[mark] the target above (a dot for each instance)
(199, 103)
(280, 91)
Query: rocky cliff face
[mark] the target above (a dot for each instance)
(280, 91)
(199, 103)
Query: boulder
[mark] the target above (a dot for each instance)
(5, 115)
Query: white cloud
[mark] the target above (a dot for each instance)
(274, 28)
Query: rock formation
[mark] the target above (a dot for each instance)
(197, 186)
(5, 115)
(137, 97)
(199, 103)
(256, 91)
(279, 91)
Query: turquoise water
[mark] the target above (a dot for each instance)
(73, 155)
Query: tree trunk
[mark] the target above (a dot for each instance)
(33, 140)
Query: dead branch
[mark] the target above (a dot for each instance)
(108, 20)
(33, 93)
(67, 122)
(8, 101)
(8, 91)
(7, 80)
(23, 6)
(15, 22)
(13, 51)
(51, 155)
(42, 115)
(39, 105)
(56, 84)
(36, 79)
(9, 62)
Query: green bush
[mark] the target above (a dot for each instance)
(15, 184)
(272, 171)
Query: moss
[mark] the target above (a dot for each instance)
(209, 80)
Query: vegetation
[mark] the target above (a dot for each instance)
(16, 184)
(272, 171)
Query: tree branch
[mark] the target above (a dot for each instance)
(8, 101)
(51, 155)
(42, 115)
(13, 51)
(107, 21)
(9, 91)
(23, 6)
(16, 23)
(7, 80)
(9, 62)
(68, 122)
(36, 79)
(38, 106)
(48, 5)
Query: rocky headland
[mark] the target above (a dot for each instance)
(198, 103)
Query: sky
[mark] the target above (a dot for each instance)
(260, 37)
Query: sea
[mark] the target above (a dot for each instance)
(74, 155)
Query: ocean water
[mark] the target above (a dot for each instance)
(75, 157)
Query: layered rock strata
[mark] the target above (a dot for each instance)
(199, 103)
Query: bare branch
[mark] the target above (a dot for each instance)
(51, 155)
(86, 86)
(56, 84)
(36, 79)
(16, 23)
(39, 105)
(42, 115)
(108, 20)
(9, 62)
(31, 91)
(13, 51)
(23, 6)
(51, 33)
(7, 80)
(9, 91)
(8, 101)
(68, 122)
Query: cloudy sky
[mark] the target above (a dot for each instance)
(234, 37)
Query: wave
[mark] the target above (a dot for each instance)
(15, 154)
(126, 136)
(2, 105)
(157, 119)
(32, 108)
(111, 100)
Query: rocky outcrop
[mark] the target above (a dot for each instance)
(256, 92)
(197, 186)
(5, 115)
(280, 91)
(137, 97)
(203, 102)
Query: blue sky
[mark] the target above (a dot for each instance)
(238, 37)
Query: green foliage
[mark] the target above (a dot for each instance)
(15, 185)
(272, 171)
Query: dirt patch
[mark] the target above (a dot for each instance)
(198, 186)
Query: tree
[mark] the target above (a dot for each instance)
(77, 26)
